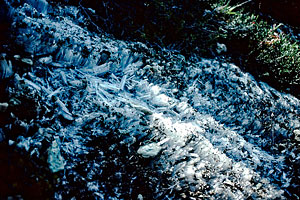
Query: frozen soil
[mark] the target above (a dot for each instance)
(116, 119)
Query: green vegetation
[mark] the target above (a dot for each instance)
(270, 54)
(196, 27)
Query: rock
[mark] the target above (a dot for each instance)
(149, 150)
(55, 159)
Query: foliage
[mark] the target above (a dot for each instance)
(270, 53)
(280, 55)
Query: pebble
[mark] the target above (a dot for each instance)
(149, 150)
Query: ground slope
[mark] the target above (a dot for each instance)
(118, 120)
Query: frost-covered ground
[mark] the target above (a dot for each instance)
(119, 120)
